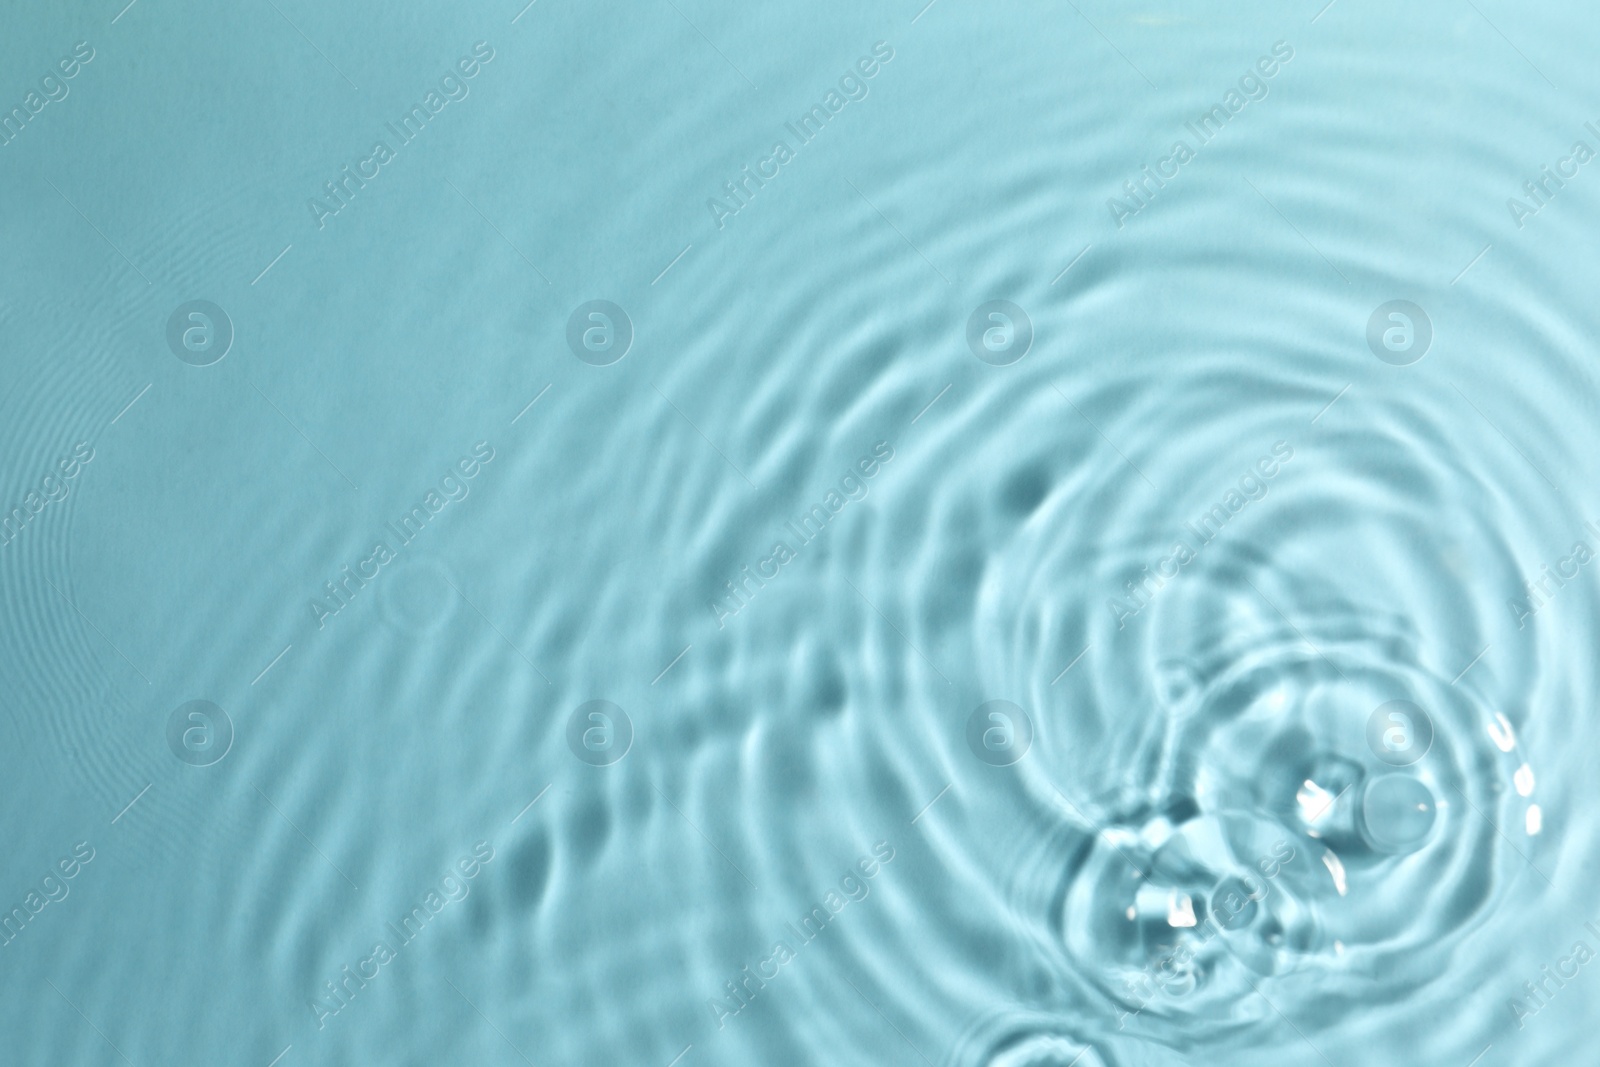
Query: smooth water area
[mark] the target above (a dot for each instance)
(691, 534)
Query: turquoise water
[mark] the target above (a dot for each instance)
(688, 534)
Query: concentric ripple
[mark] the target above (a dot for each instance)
(1192, 683)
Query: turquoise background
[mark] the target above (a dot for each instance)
(350, 762)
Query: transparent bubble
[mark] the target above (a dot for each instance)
(1397, 813)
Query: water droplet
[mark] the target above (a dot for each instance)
(1397, 813)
